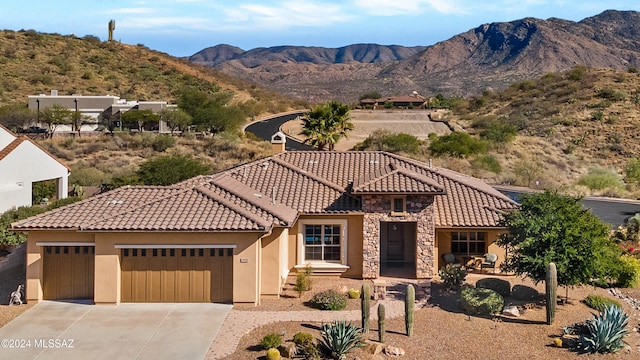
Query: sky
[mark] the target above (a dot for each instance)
(184, 27)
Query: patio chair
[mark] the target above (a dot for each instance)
(489, 262)
(450, 259)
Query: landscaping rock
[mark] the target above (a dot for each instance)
(289, 350)
(394, 351)
(502, 287)
(373, 347)
(511, 311)
(524, 293)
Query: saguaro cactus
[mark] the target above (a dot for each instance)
(365, 305)
(551, 285)
(409, 302)
(381, 314)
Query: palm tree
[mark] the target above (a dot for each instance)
(325, 124)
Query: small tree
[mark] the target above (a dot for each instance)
(325, 124)
(56, 115)
(175, 118)
(549, 227)
(170, 169)
(137, 118)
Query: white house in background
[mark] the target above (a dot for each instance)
(23, 162)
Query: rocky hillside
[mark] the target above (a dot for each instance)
(488, 56)
(34, 63)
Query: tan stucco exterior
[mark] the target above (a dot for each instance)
(443, 244)
(246, 259)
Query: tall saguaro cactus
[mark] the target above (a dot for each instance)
(551, 285)
(381, 315)
(365, 305)
(409, 302)
(112, 26)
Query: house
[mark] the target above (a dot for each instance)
(22, 163)
(236, 235)
(405, 101)
(95, 108)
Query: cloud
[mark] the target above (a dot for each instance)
(286, 14)
(138, 10)
(166, 24)
(411, 7)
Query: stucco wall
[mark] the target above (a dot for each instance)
(107, 259)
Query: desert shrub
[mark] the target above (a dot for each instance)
(498, 132)
(63, 202)
(597, 115)
(577, 73)
(628, 272)
(524, 293)
(87, 176)
(43, 190)
(340, 338)
(302, 338)
(329, 300)
(457, 144)
(605, 333)
(163, 142)
(452, 276)
(170, 169)
(306, 345)
(599, 302)
(303, 280)
(612, 94)
(384, 140)
(502, 287)
(271, 341)
(353, 293)
(488, 162)
(632, 170)
(480, 301)
(601, 179)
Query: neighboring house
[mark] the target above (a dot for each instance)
(22, 163)
(405, 101)
(94, 108)
(235, 236)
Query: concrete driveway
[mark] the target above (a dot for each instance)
(72, 330)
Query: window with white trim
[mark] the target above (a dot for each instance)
(322, 243)
(468, 242)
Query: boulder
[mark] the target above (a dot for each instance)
(394, 351)
(511, 311)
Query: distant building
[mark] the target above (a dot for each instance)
(96, 109)
(22, 163)
(406, 101)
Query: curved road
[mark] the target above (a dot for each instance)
(265, 128)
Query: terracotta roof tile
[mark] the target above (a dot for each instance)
(274, 191)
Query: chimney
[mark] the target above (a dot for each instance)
(278, 141)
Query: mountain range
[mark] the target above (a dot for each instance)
(490, 56)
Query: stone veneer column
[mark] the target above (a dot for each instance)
(377, 208)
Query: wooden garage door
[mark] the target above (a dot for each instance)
(68, 272)
(177, 275)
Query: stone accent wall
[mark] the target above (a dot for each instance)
(377, 209)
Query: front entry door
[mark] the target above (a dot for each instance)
(395, 242)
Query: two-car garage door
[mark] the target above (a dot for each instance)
(177, 275)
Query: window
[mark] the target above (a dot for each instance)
(398, 206)
(468, 243)
(322, 242)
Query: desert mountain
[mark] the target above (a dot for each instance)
(488, 56)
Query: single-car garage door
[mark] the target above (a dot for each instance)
(68, 272)
(177, 275)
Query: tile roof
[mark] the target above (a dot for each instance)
(19, 140)
(274, 191)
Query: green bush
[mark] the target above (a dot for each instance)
(383, 140)
(271, 341)
(340, 338)
(87, 176)
(524, 293)
(170, 169)
(601, 179)
(329, 300)
(303, 280)
(502, 287)
(302, 338)
(163, 142)
(628, 276)
(632, 170)
(452, 276)
(498, 132)
(457, 144)
(599, 302)
(605, 333)
(488, 162)
(480, 301)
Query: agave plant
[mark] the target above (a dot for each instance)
(606, 331)
(340, 338)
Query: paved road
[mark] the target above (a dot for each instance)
(265, 128)
(612, 211)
